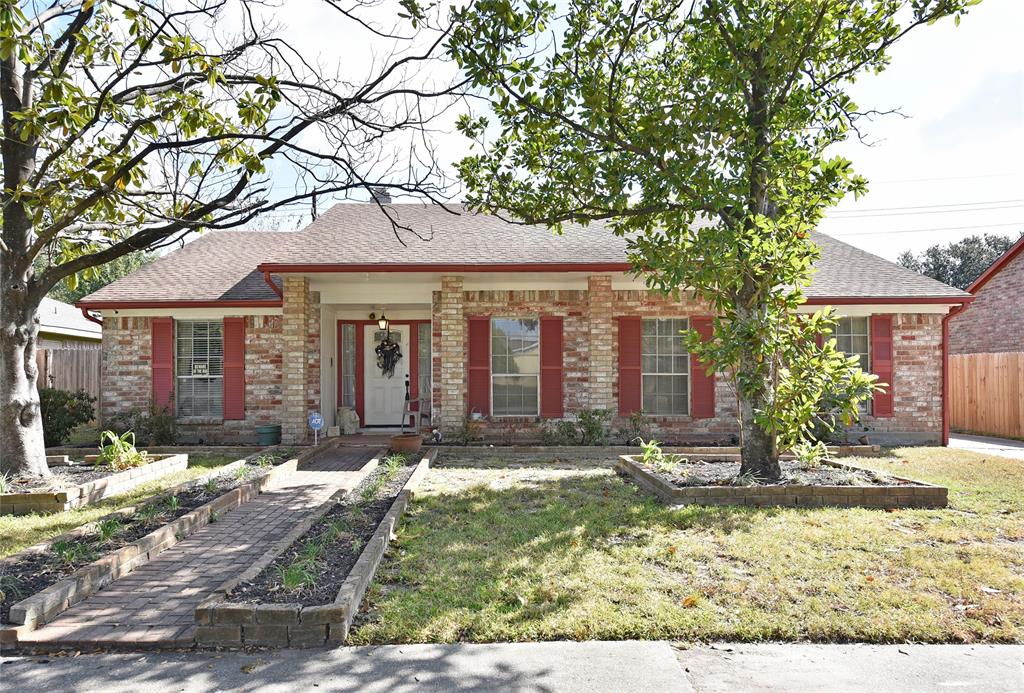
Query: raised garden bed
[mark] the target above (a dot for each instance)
(307, 590)
(44, 580)
(74, 484)
(713, 481)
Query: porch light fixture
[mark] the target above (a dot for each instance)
(382, 322)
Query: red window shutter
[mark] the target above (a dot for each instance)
(162, 362)
(234, 368)
(882, 362)
(551, 350)
(630, 398)
(479, 392)
(702, 385)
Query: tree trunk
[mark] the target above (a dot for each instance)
(22, 450)
(759, 452)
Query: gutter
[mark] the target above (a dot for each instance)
(89, 316)
(953, 312)
(274, 287)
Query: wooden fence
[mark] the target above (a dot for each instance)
(70, 369)
(986, 393)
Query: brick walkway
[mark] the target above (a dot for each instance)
(156, 602)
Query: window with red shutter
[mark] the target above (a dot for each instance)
(162, 362)
(702, 383)
(630, 400)
(234, 368)
(478, 395)
(882, 363)
(551, 380)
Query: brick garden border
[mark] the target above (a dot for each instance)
(607, 451)
(44, 606)
(221, 623)
(913, 494)
(91, 491)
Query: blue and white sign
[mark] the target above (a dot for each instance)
(316, 420)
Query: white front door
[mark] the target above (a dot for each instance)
(384, 397)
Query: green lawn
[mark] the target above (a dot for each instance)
(495, 553)
(19, 532)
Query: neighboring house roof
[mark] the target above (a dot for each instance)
(227, 266)
(64, 319)
(997, 266)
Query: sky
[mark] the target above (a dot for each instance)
(951, 168)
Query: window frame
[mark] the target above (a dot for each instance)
(688, 373)
(490, 347)
(178, 376)
(866, 406)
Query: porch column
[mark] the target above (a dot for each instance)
(602, 367)
(294, 359)
(453, 354)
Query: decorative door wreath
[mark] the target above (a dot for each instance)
(389, 353)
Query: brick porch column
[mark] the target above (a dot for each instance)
(294, 359)
(453, 354)
(602, 367)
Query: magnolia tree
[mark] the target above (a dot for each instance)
(127, 125)
(699, 131)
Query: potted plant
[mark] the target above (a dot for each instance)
(408, 443)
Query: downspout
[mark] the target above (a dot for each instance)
(270, 282)
(954, 311)
(89, 316)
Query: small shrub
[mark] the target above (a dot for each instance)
(296, 575)
(108, 529)
(656, 459)
(161, 426)
(558, 433)
(62, 411)
(120, 453)
(636, 430)
(468, 433)
(70, 552)
(593, 426)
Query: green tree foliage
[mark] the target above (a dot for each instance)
(128, 125)
(62, 411)
(961, 262)
(699, 131)
(95, 278)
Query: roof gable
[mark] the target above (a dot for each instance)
(997, 266)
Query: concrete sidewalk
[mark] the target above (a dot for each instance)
(987, 445)
(565, 667)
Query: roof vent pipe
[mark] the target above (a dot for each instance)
(381, 195)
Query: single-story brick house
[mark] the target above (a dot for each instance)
(994, 321)
(239, 329)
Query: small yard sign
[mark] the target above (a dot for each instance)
(316, 422)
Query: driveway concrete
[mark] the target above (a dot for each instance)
(555, 666)
(841, 668)
(987, 445)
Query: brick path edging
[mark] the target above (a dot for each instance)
(221, 623)
(43, 606)
(917, 495)
(91, 491)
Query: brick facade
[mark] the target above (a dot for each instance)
(127, 380)
(994, 322)
(283, 369)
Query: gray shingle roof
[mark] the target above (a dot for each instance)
(222, 265)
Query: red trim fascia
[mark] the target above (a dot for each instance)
(954, 311)
(273, 287)
(994, 268)
(113, 305)
(886, 300)
(90, 317)
(424, 267)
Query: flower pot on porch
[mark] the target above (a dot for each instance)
(408, 443)
(269, 435)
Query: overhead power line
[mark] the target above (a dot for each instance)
(1019, 224)
(951, 204)
(933, 211)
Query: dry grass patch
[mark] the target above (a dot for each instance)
(548, 552)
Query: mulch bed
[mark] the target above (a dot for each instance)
(358, 515)
(697, 472)
(23, 575)
(62, 477)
